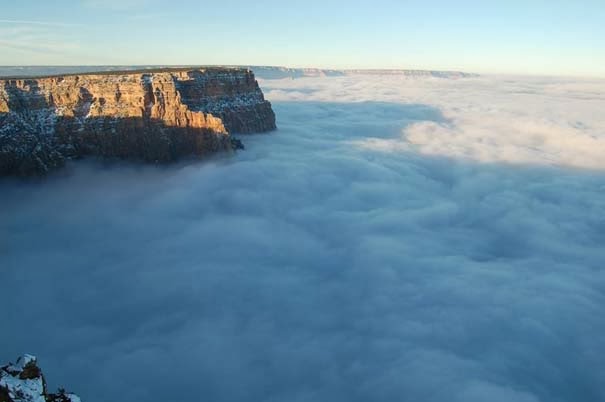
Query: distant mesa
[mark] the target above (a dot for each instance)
(153, 115)
(269, 73)
(264, 72)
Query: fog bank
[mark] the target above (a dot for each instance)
(395, 239)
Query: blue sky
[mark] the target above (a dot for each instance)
(533, 37)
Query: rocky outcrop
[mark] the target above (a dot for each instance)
(150, 115)
(24, 382)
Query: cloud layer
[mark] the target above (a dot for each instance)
(394, 240)
(523, 121)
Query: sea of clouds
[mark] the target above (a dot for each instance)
(396, 239)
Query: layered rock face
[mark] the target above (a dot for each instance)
(24, 382)
(149, 115)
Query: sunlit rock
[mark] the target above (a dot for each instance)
(150, 115)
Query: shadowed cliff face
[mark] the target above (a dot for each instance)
(150, 116)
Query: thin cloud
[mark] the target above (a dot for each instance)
(39, 42)
(36, 46)
(42, 23)
(117, 4)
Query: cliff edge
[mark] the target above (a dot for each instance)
(150, 115)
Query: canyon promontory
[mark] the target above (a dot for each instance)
(149, 115)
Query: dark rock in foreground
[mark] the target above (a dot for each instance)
(24, 382)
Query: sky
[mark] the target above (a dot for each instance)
(395, 239)
(538, 37)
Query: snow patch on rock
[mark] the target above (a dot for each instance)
(23, 381)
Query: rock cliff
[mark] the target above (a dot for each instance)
(24, 382)
(150, 115)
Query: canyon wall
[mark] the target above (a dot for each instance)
(149, 115)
